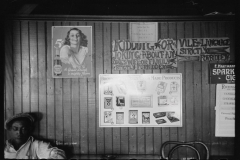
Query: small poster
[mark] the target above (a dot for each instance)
(140, 100)
(203, 49)
(72, 51)
(143, 31)
(120, 117)
(221, 73)
(225, 110)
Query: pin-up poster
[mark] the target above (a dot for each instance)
(203, 49)
(140, 100)
(225, 110)
(127, 55)
(71, 51)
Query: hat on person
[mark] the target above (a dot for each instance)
(20, 115)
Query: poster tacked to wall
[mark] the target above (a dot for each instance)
(71, 51)
(225, 110)
(143, 32)
(128, 55)
(140, 100)
(221, 73)
(203, 49)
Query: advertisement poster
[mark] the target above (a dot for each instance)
(128, 55)
(71, 51)
(140, 100)
(203, 49)
(221, 73)
(225, 110)
(143, 32)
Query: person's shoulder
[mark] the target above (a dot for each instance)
(65, 47)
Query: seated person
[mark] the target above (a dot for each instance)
(22, 145)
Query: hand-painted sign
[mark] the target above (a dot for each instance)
(221, 73)
(127, 55)
(203, 49)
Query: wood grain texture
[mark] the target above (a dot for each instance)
(42, 80)
(206, 137)
(17, 66)
(68, 109)
(25, 69)
(98, 41)
(9, 74)
(107, 70)
(116, 131)
(181, 69)
(33, 70)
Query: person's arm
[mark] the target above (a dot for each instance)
(46, 151)
(64, 54)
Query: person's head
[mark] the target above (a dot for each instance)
(20, 126)
(76, 37)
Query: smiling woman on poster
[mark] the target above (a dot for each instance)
(74, 49)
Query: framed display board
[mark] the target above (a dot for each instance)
(140, 100)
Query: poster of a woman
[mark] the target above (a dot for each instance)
(72, 51)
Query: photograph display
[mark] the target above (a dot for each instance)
(140, 100)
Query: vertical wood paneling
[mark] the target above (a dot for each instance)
(197, 89)
(181, 69)
(17, 63)
(42, 83)
(214, 140)
(116, 131)
(25, 66)
(173, 131)
(128, 135)
(206, 137)
(107, 70)
(9, 90)
(75, 111)
(83, 116)
(58, 101)
(92, 108)
(98, 40)
(157, 131)
(50, 85)
(33, 69)
(165, 130)
(69, 108)
(189, 92)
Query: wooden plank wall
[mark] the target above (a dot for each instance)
(68, 108)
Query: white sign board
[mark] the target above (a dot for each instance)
(225, 110)
(140, 100)
(143, 32)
